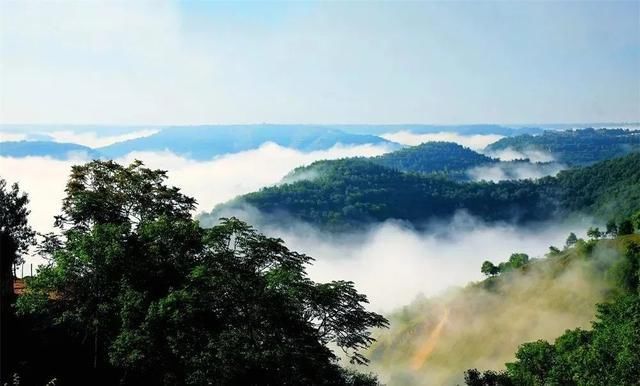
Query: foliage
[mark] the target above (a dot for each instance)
(156, 299)
(572, 239)
(473, 377)
(489, 269)
(15, 238)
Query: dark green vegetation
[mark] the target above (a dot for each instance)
(575, 147)
(351, 193)
(45, 149)
(429, 157)
(607, 354)
(15, 237)
(136, 292)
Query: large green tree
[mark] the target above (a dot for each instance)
(157, 299)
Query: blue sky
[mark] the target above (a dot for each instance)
(319, 62)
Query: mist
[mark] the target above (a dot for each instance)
(514, 171)
(510, 154)
(474, 142)
(394, 263)
(391, 262)
(210, 182)
(434, 340)
(91, 139)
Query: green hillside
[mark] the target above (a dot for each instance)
(433, 341)
(350, 193)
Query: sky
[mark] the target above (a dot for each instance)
(139, 62)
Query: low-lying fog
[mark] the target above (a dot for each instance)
(390, 263)
(393, 264)
(476, 142)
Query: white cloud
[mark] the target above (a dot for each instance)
(94, 140)
(510, 154)
(475, 142)
(516, 171)
(393, 264)
(389, 263)
(44, 180)
(210, 182)
(222, 178)
(9, 136)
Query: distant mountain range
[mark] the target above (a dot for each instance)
(50, 149)
(204, 142)
(200, 142)
(573, 147)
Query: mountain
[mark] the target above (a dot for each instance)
(206, 142)
(350, 193)
(45, 149)
(575, 147)
(443, 158)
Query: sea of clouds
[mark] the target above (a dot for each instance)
(389, 262)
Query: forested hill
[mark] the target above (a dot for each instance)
(433, 157)
(575, 147)
(444, 158)
(354, 192)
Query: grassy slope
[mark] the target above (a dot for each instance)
(432, 341)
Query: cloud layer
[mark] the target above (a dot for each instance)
(390, 263)
(210, 182)
(393, 264)
(475, 142)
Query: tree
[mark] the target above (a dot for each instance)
(625, 228)
(533, 365)
(15, 238)
(594, 233)
(165, 301)
(489, 269)
(518, 260)
(473, 377)
(553, 250)
(571, 240)
(612, 228)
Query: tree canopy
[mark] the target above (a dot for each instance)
(153, 298)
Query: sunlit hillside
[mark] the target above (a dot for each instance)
(433, 341)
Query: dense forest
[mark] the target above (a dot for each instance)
(433, 341)
(136, 292)
(429, 157)
(349, 193)
(575, 147)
